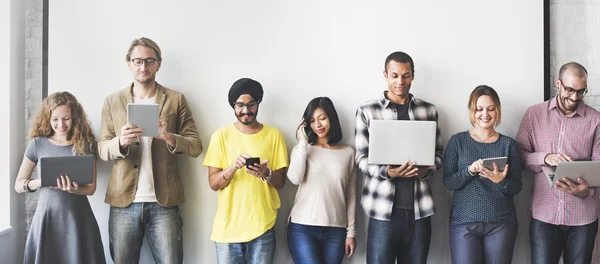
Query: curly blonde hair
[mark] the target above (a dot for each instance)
(81, 134)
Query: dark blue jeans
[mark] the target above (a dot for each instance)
(316, 244)
(482, 243)
(403, 239)
(548, 242)
(162, 226)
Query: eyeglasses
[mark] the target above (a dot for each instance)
(140, 61)
(570, 91)
(250, 105)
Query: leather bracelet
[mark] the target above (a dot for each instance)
(223, 176)
(26, 186)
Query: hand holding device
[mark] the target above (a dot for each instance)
(494, 175)
(500, 162)
(301, 134)
(252, 161)
(406, 170)
(129, 133)
(580, 188)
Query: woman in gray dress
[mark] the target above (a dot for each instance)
(64, 229)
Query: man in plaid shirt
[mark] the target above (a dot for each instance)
(397, 199)
(562, 129)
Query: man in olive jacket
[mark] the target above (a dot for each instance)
(145, 188)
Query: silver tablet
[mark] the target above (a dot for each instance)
(144, 116)
(500, 162)
(587, 170)
(393, 142)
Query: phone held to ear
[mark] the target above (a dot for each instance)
(306, 131)
(252, 161)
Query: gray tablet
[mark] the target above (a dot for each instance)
(587, 170)
(500, 162)
(79, 168)
(144, 116)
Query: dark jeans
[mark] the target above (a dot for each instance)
(403, 239)
(482, 243)
(316, 244)
(162, 226)
(549, 241)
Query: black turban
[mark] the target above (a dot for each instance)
(245, 86)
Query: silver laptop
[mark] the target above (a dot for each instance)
(587, 170)
(79, 168)
(144, 116)
(393, 142)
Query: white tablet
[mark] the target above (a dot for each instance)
(144, 116)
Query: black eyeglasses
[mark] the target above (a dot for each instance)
(570, 91)
(140, 61)
(250, 105)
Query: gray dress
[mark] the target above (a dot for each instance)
(64, 229)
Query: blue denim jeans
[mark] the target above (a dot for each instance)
(482, 243)
(316, 244)
(162, 226)
(403, 239)
(548, 242)
(260, 250)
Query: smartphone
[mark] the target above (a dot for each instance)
(306, 131)
(500, 161)
(252, 161)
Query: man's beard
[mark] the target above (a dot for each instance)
(249, 120)
(564, 100)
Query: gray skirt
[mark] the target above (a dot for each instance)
(64, 230)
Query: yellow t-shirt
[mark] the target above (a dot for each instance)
(247, 207)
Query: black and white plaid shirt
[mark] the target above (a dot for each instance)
(379, 189)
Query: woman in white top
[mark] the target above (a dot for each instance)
(321, 227)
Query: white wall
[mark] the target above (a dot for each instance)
(573, 27)
(300, 50)
(12, 66)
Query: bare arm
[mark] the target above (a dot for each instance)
(278, 178)
(24, 174)
(219, 178)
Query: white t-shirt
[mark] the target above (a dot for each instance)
(145, 186)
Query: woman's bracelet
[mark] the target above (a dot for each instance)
(26, 186)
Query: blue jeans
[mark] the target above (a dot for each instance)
(260, 250)
(482, 242)
(162, 226)
(403, 239)
(548, 242)
(316, 244)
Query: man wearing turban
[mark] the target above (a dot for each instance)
(247, 187)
